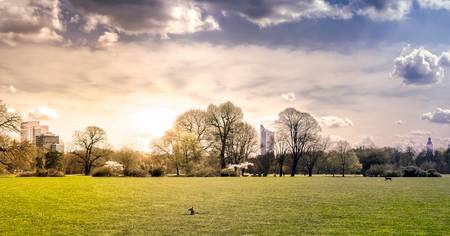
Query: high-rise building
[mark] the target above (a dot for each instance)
(30, 129)
(429, 145)
(50, 141)
(267, 140)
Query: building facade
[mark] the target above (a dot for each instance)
(267, 140)
(30, 129)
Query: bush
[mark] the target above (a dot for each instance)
(228, 173)
(433, 173)
(205, 172)
(392, 173)
(103, 172)
(375, 170)
(157, 172)
(55, 173)
(135, 173)
(26, 174)
(41, 173)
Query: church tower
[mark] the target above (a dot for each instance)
(429, 145)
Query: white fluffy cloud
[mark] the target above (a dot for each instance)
(288, 96)
(434, 4)
(107, 39)
(399, 122)
(30, 21)
(420, 66)
(42, 113)
(334, 122)
(440, 116)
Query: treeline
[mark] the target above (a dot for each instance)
(216, 142)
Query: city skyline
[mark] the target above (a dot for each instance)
(368, 71)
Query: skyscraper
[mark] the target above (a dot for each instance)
(30, 129)
(267, 140)
(50, 141)
(429, 145)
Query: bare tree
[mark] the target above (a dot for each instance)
(301, 128)
(242, 144)
(223, 119)
(194, 121)
(316, 150)
(281, 149)
(343, 154)
(16, 155)
(89, 143)
(9, 121)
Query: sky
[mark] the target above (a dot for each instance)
(370, 72)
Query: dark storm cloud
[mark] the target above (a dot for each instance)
(30, 21)
(144, 16)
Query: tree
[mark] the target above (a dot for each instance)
(346, 157)
(129, 159)
(316, 149)
(194, 121)
(301, 128)
(16, 155)
(242, 143)
(281, 147)
(89, 143)
(223, 119)
(9, 121)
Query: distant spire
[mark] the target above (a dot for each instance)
(429, 144)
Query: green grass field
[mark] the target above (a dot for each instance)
(260, 206)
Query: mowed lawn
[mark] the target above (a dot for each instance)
(77, 205)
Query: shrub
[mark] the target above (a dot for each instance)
(103, 172)
(157, 172)
(205, 172)
(27, 174)
(433, 173)
(41, 173)
(375, 170)
(228, 173)
(55, 173)
(411, 171)
(135, 173)
(392, 173)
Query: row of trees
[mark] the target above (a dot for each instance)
(216, 141)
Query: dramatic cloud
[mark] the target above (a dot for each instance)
(266, 13)
(420, 66)
(334, 122)
(42, 113)
(382, 10)
(440, 116)
(30, 21)
(434, 4)
(288, 97)
(107, 39)
(157, 17)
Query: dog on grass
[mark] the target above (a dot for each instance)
(387, 178)
(192, 211)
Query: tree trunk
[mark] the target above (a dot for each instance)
(281, 169)
(222, 156)
(243, 170)
(310, 170)
(87, 169)
(294, 167)
(343, 170)
(178, 170)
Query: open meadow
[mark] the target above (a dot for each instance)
(231, 206)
